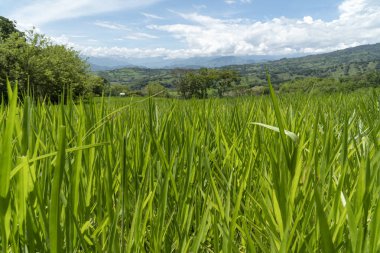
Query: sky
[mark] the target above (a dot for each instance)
(174, 29)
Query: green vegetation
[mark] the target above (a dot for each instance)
(339, 65)
(7, 28)
(294, 174)
(330, 85)
(155, 88)
(344, 63)
(41, 67)
(138, 78)
(197, 83)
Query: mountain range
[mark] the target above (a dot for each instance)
(109, 63)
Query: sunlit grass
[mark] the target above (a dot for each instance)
(264, 174)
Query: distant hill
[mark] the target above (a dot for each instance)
(96, 68)
(217, 62)
(109, 63)
(347, 62)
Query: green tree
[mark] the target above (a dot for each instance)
(155, 88)
(197, 83)
(14, 61)
(56, 69)
(97, 85)
(191, 84)
(116, 89)
(7, 27)
(47, 69)
(226, 79)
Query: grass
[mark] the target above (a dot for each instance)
(263, 174)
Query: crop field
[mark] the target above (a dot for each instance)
(288, 173)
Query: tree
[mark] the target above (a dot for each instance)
(116, 89)
(13, 62)
(56, 69)
(190, 85)
(155, 88)
(97, 85)
(7, 27)
(197, 83)
(47, 69)
(226, 79)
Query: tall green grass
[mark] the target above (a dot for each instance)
(268, 174)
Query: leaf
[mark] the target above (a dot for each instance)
(291, 135)
(325, 232)
(6, 145)
(54, 210)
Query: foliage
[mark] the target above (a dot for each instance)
(329, 85)
(192, 84)
(7, 28)
(96, 85)
(197, 83)
(116, 89)
(138, 78)
(242, 90)
(44, 68)
(155, 88)
(295, 174)
(225, 80)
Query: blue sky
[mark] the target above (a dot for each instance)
(182, 29)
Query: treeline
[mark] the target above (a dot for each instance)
(41, 67)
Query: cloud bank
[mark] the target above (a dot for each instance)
(358, 23)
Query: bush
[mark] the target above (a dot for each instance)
(46, 69)
(155, 88)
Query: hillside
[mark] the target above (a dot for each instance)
(347, 62)
(136, 78)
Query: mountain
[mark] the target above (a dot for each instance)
(217, 62)
(346, 62)
(96, 68)
(109, 63)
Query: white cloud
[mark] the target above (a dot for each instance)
(308, 20)
(199, 6)
(120, 27)
(237, 1)
(358, 23)
(111, 25)
(151, 16)
(63, 40)
(39, 12)
(140, 36)
(78, 36)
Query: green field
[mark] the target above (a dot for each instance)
(168, 175)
